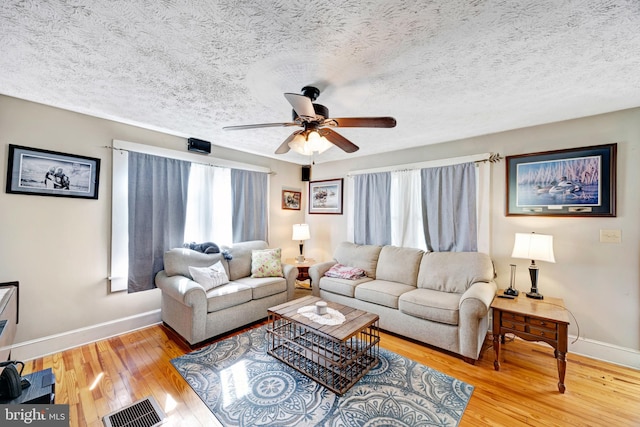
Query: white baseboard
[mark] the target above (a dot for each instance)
(44, 346)
(605, 351)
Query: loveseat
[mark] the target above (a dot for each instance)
(439, 298)
(198, 313)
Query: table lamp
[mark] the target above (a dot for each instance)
(301, 233)
(536, 247)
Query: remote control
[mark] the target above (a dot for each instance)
(507, 296)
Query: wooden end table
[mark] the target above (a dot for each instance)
(544, 320)
(303, 270)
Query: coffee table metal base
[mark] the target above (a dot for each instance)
(336, 364)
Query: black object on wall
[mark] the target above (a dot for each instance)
(306, 173)
(199, 146)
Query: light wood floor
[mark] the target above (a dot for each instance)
(102, 377)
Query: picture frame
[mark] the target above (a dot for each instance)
(326, 196)
(38, 172)
(291, 200)
(575, 182)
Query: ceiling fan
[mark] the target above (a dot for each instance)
(317, 134)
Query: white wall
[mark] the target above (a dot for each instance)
(599, 282)
(58, 248)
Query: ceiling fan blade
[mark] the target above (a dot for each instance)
(301, 105)
(338, 140)
(362, 122)
(261, 125)
(284, 147)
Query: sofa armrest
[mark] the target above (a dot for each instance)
(316, 271)
(290, 273)
(181, 288)
(473, 320)
(483, 292)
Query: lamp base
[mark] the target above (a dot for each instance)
(534, 295)
(511, 291)
(300, 259)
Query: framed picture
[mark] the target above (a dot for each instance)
(325, 197)
(50, 173)
(291, 200)
(577, 182)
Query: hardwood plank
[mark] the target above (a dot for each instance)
(522, 393)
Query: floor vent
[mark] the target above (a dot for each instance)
(143, 413)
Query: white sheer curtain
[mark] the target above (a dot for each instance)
(406, 210)
(209, 205)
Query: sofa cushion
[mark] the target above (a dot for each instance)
(442, 307)
(264, 286)
(228, 295)
(341, 286)
(454, 271)
(266, 263)
(399, 264)
(178, 260)
(361, 256)
(209, 277)
(240, 264)
(382, 292)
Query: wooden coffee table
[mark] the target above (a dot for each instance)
(336, 356)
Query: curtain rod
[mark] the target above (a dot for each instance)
(492, 158)
(198, 163)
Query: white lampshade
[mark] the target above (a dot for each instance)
(301, 232)
(536, 247)
(299, 145)
(309, 142)
(317, 143)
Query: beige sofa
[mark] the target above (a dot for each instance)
(198, 315)
(439, 298)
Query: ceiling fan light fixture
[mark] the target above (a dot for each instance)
(309, 142)
(299, 145)
(316, 142)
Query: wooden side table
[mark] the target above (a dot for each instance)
(533, 320)
(303, 268)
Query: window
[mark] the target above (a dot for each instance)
(436, 206)
(163, 198)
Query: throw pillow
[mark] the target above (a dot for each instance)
(209, 277)
(345, 272)
(266, 263)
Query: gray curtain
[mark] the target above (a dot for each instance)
(372, 211)
(250, 205)
(157, 212)
(449, 208)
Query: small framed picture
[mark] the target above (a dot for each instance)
(576, 182)
(291, 200)
(50, 173)
(325, 197)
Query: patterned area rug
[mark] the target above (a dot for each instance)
(243, 386)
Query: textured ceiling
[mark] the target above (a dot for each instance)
(445, 69)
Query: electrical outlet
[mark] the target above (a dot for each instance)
(610, 236)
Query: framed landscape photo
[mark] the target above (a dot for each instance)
(50, 173)
(576, 182)
(325, 197)
(291, 200)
